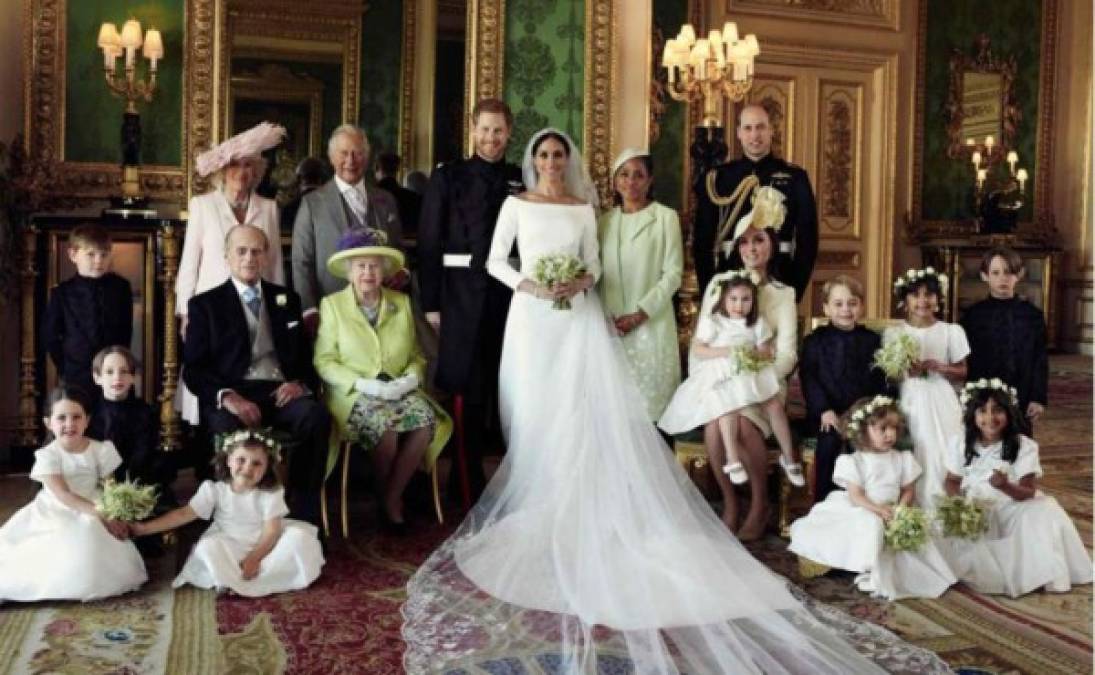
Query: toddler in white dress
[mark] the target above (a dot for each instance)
(251, 548)
(845, 530)
(1031, 542)
(722, 384)
(58, 547)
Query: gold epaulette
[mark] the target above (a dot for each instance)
(741, 195)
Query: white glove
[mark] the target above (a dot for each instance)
(404, 385)
(376, 389)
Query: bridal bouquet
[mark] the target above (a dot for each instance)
(558, 268)
(960, 517)
(897, 356)
(907, 530)
(747, 359)
(128, 501)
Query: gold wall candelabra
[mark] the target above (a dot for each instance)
(708, 69)
(130, 88)
(996, 198)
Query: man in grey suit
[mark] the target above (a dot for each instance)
(344, 203)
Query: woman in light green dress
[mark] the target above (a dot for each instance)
(641, 259)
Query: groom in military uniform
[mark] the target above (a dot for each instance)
(726, 194)
(461, 300)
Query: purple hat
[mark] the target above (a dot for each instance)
(358, 243)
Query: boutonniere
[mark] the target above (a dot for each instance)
(281, 300)
(391, 307)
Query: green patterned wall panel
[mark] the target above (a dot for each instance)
(1013, 27)
(93, 117)
(668, 151)
(544, 72)
(381, 72)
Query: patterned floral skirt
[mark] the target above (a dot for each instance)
(372, 417)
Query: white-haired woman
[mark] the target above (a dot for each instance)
(590, 545)
(235, 167)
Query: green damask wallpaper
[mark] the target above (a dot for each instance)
(1013, 27)
(668, 151)
(381, 73)
(544, 68)
(93, 117)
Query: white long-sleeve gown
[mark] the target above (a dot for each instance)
(590, 547)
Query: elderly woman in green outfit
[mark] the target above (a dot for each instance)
(641, 260)
(373, 370)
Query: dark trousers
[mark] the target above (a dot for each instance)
(481, 433)
(308, 424)
(830, 444)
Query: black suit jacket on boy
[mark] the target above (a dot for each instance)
(85, 315)
(836, 370)
(217, 350)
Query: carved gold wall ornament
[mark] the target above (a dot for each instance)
(199, 90)
(600, 65)
(485, 55)
(44, 122)
(981, 88)
(406, 86)
(27, 427)
(169, 419)
(840, 117)
(873, 13)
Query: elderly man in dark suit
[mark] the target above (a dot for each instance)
(344, 203)
(249, 364)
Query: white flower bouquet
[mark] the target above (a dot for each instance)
(126, 500)
(747, 359)
(558, 268)
(961, 517)
(897, 356)
(907, 530)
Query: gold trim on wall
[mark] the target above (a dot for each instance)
(599, 85)
(199, 92)
(44, 119)
(870, 13)
(485, 56)
(274, 82)
(406, 86)
(1042, 228)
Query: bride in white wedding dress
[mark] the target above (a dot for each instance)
(590, 550)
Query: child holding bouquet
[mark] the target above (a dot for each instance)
(927, 395)
(848, 529)
(60, 547)
(1031, 542)
(251, 548)
(733, 371)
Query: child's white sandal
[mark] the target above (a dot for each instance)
(793, 471)
(737, 473)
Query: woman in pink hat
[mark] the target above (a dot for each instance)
(235, 167)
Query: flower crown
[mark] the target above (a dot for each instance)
(725, 277)
(913, 275)
(226, 441)
(855, 422)
(995, 383)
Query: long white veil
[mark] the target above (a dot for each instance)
(578, 181)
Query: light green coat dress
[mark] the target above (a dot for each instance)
(348, 348)
(642, 261)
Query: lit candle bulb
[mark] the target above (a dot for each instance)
(969, 142)
(989, 142)
(982, 174)
(976, 159)
(1013, 159)
(1021, 176)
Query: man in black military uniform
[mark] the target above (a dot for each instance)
(462, 302)
(797, 237)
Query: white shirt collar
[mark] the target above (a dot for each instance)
(241, 287)
(343, 186)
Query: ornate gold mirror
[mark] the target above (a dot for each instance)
(981, 100)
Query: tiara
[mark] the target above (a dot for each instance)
(863, 412)
(995, 383)
(913, 275)
(226, 441)
(721, 279)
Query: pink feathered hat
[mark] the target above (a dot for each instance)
(250, 143)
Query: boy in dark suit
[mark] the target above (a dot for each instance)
(90, 311)
(836, 371)
(249, 363)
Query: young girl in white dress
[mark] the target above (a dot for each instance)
(1031, 542)
(251, 548)
(58, 547)
(845, 531)
(927, 395)
(719, 387)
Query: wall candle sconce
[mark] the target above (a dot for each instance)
(997, 199)
(129, 88)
